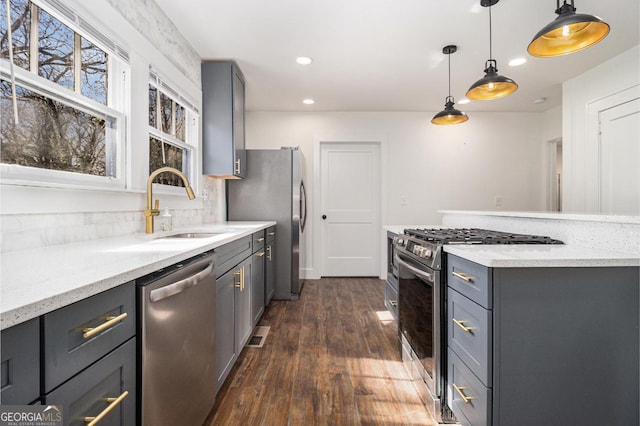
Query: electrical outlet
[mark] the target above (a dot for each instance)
(205, 194)
(498, 200)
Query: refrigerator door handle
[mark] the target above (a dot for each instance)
(303, 206)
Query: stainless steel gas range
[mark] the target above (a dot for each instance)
(418, 259)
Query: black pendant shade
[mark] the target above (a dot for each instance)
(492, 85)
(449, 115)
(570, 32)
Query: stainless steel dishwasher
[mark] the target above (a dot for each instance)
(177, 378)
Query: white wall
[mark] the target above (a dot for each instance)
(433, 167)
(579, 159)
(32, 216)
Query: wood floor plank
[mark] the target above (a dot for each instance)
(331, 358)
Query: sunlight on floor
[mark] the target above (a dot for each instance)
(385, 317)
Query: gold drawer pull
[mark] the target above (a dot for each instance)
(269, 253)
(465, 398)
(393, 303)
(111, 321)
(260, 254)
(271, 233)
(462, 326)
(238, 274)
(462, 277)
(261, 239)
(113, 403)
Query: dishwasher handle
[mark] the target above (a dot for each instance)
(180, 286)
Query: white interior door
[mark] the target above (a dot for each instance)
(620, 159)
(350, 209)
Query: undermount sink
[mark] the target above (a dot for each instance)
(191, 235)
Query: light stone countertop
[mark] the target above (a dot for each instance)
(37, 281)
(541, 256)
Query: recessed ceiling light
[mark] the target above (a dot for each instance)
(308, 102)
(304, 60)
(464, 101)
(517, 61)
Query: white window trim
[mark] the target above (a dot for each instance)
(21, 175)
(191, 136)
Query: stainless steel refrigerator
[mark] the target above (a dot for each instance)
(273, 189)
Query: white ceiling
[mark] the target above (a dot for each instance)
(386, 55)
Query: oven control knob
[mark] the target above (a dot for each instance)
(426, 254)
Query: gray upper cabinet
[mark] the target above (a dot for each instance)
(223, 146)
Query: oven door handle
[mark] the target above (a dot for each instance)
(418, 272)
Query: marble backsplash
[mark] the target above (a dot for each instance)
(30, 231)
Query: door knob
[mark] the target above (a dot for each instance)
(324, 216)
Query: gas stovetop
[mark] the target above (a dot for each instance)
(425, 245)
(475, 236)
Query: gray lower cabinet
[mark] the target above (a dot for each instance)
(20, 363)
(391, 286)
(225, 352)
(257, 284)
(270, 265)
(233, 304)
(107, 388)
(552, 346)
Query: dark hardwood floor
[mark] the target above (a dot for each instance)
(331, 358)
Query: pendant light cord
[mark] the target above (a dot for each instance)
(490, 32)
(449, 55)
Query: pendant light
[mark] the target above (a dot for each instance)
(568, 33)
(449, 115)
(492, 85)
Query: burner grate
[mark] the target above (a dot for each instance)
(476, 236)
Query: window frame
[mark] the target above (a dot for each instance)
(191, 141)
(116, 111)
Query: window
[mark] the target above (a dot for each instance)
(60, 103)
(172, 132)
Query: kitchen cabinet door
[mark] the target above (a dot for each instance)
(270, 272)
(225, 350)
(257, 286)
(223, 91)
(244, 325)
(21, 363)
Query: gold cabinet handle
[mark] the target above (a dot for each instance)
(462, 277)
(113, 403)
(260, 254)
(271, 233)
(111, 321)
(242, 278)
(238, 274)
(269, 253)
(261, 239)
(393, 303)
(238, 166)
(462, 326)
(459, 389)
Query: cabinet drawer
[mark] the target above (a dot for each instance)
(21, 363)
(95, 389)
(258, 241)
(470, 279)
(476, 410)
(271, 233)
(470, 335)
(68, 349)
(230, 254)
